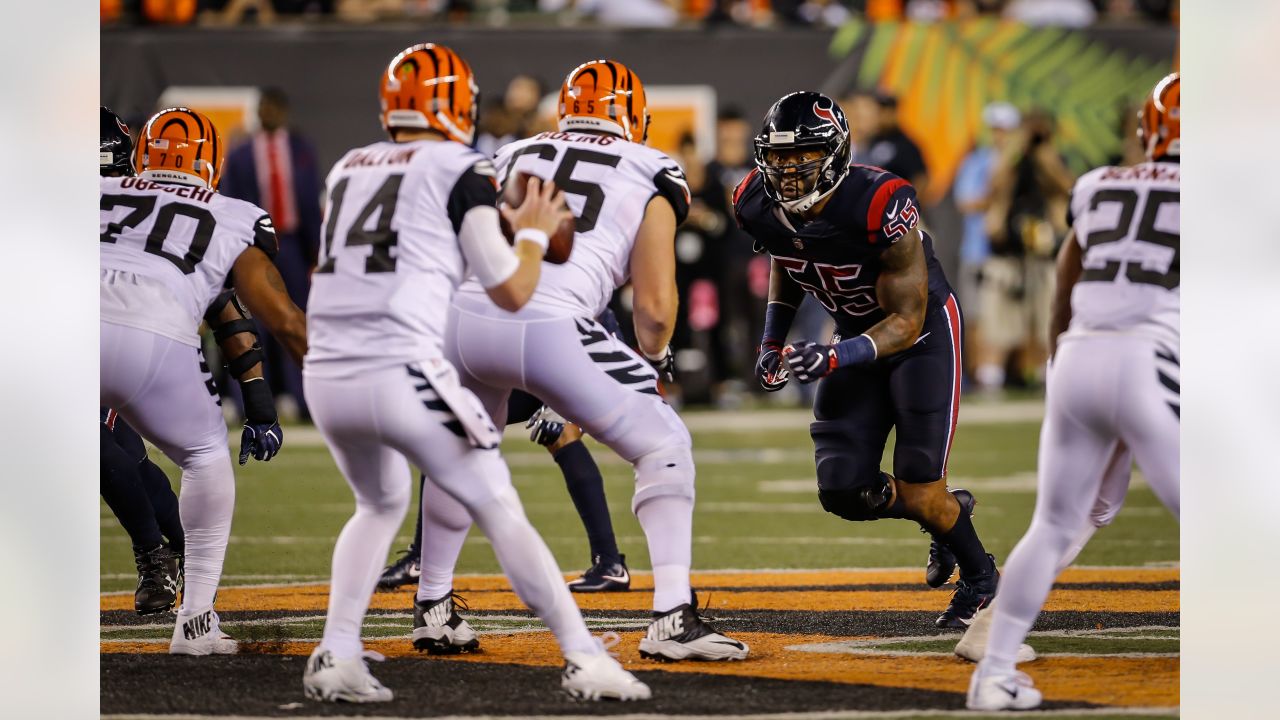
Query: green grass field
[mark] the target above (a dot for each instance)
(757, 508)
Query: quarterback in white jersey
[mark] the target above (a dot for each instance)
(169, 246)
(1113, 390)
(628, 199)
(405, 222)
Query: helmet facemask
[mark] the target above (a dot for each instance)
(795, 183)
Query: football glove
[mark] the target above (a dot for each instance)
(665, 364)
(810, 361)
(545, 426)
(770, 369)
(262, 440)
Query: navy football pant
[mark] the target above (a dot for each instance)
(137, 491)
(916, 391)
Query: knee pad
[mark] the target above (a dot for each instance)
(868, 502)
(664, 472)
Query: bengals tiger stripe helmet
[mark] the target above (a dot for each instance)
(1159, 120)
(180, 145)
(604, 95)
(430, 87)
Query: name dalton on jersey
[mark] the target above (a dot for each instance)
(835, 257)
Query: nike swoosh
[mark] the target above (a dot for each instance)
(894, 213)
(415, 573)
(922, 337)
(617, 578)
(734, 643)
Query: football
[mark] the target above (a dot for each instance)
(561, 241)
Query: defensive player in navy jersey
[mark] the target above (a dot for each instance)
(848, 235)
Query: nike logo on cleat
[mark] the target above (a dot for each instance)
(732, 643)
(624, 577)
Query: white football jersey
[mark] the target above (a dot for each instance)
(1126, 220)
(389, 259)
(607, 182)
(166, 251)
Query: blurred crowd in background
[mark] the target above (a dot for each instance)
(633, 13)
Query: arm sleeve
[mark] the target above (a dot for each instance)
(671, 184)
(264, 236)
(487, 253)
(476, 187)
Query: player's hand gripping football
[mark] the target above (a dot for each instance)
(770, 369)
(810, 361)
(543, 208)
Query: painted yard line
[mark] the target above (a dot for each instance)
(642, 579)
(1116, 682)
(818, 715)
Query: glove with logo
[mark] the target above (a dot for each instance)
(770, 369)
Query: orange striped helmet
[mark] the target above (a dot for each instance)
(1159, 120)
(605, 95)
(430, 87)
(179, 144)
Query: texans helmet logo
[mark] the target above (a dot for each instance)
(826, 114)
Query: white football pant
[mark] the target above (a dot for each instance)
(593, 379)
(1105, 393)
(163, 389)
(376, 422)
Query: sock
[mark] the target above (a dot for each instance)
(123, 492)
(963, 541)
(415, 545)
(444, 529)
(1028, 577)
(206, 504)
(667, 521)
(357, 564)
(532, 570)
(164, 503)
(586, 487)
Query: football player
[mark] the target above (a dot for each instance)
(628, 199)
(406, 221)
(849, 236)
(1113, 382)
(169, 246)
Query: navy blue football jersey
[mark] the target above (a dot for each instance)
(835, 257)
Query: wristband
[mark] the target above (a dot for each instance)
(856, 351)
(662, 354)
(777, 322)
(259, 405)
(535, 236)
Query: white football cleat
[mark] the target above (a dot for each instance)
(198, 633)
(1002, 692)
(600, 677)
(440, 630)
(682, 634)
(328, 679)
(973, 644)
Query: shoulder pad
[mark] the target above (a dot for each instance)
(671, 184)
(740, 194)
(264, 236)
(891, 208)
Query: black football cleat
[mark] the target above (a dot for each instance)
(970, 596)
(603, 577)
(404, 571)
(159, 576)
(942, 562)
(440, 630)
(682, 634)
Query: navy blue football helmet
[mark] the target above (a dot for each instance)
(803, 121)
(115, 146)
